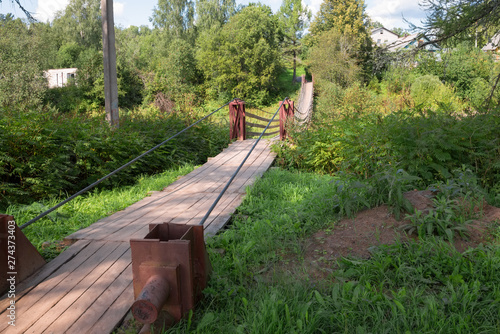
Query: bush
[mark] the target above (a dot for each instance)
(429, 92)
(48, 153)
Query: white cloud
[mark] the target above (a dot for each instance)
(47, 8)
(391, 12)
(118, 8)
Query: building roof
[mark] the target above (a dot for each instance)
(493, 43)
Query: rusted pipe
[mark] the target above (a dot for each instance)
(151, 300)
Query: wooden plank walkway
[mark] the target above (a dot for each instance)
(88, 288)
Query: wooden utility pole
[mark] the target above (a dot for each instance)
(109, 53)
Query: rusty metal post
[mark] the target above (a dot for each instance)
(286, 112)
(151, 299)
(18, 257)
(237, 120)
(170, 269)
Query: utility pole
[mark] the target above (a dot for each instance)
(109, 53)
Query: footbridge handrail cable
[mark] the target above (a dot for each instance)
(117, 170)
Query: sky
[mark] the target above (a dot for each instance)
(137, 12)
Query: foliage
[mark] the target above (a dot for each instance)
(80, 23)
(211, 13)
(333, 58)
(174, 17)
(429, 92)
(45, 153)
(86, 209)
(423, 287)
(426, 144)
(441, 221)
(294, 19)
(21, 77)
(243, 59)
(347, 17)
(463, 68)
(175, 74)
(458, 20)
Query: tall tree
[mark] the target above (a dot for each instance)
(294, 19)
(80, 22)
(211, 13)
(21, 77)
(174, 17)
(347, 16)
(243, 59)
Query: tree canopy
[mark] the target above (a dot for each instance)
(244, 57)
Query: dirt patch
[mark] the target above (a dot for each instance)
(356, 237)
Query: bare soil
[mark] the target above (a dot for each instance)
(378, 226)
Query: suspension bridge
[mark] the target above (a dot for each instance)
(88, 288)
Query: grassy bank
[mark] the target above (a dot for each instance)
(260, 282)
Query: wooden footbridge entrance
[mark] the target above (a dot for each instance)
(88, 287)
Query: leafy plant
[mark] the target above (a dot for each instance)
(441, 221)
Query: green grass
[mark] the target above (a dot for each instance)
(85, 210)
(414, 287)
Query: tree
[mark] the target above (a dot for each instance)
(80, 23)
(346, 16)
(213, 13)
(458, 20)
(21, 77)
(243, 59)
(294, 19)
(174, 17)
(453, 21)
(333, 58)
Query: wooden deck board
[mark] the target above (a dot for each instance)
(88, 288)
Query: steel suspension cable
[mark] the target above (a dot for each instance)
(117, 170)
(204, 219)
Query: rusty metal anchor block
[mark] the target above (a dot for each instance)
(18, 257)
(170, 268)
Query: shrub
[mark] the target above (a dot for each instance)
(48, 153)
(429, 92)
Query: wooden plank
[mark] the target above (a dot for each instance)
(103, 291)
(103, 302)
(27, 285)
(259, 172)
(260, 149)
(70, 297)
(223, 217)
(167, 213)
(115, 313)
(248, 114)
(211, 165)
(260, 126)
(39, 298)
(198, 211)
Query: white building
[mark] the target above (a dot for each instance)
(411, 42)
(383, 37)
(60, 77)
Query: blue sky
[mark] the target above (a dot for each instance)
(137, 12)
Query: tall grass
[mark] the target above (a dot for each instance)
(413, 287)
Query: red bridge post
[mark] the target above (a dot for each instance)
(237, 128)
(286, 112)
